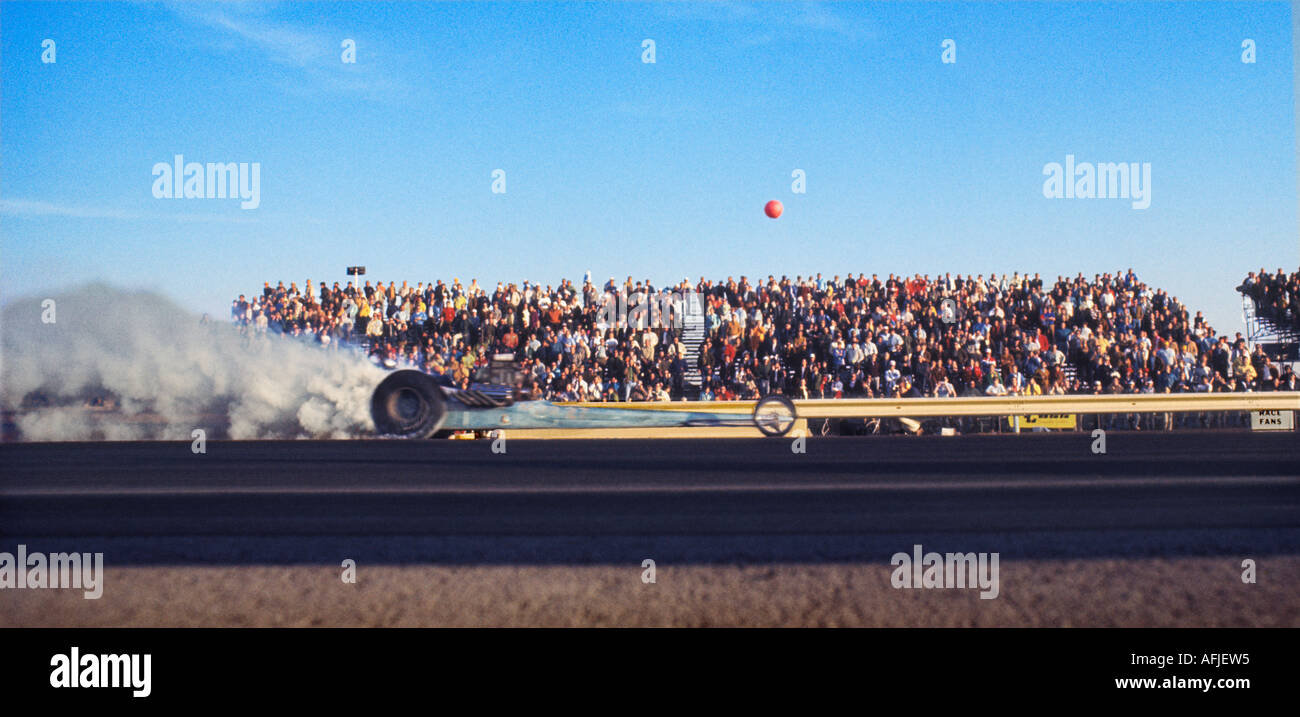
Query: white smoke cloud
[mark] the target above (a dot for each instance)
(170, 374)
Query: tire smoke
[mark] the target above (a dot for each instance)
(117, 364)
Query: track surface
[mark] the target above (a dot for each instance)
(744, 532)
(653, 487)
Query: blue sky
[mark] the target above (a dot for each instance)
(656, 170)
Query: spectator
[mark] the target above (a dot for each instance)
(861, 336)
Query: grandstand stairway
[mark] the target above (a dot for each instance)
(692, 339)
(1262, 329)
(1280, 341)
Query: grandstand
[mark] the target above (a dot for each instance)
(807, 337)
(1270, 310)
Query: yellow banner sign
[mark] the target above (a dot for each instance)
(1047, 420)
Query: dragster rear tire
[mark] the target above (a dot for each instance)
(408, 404)
(774, 404)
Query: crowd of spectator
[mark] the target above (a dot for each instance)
(807, 337)
(1276, 297)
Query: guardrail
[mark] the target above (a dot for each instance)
(992, 405)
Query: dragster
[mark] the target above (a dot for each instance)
(413, 404)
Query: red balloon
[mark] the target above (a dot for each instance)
(773, 209)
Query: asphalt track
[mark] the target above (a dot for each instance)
(745, 532)
(1028, 482)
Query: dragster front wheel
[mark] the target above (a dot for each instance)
(407, 404)
(774, 415)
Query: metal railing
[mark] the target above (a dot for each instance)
(993, 405)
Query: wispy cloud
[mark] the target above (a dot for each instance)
(313, 55)
(282, 44)
(770, 19)
(37, 208)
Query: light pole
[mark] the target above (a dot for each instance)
(357, 271)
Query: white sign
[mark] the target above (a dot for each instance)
(1272, 420)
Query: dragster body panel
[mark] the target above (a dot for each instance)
(544, 414)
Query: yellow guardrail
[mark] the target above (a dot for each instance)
(991, 405)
